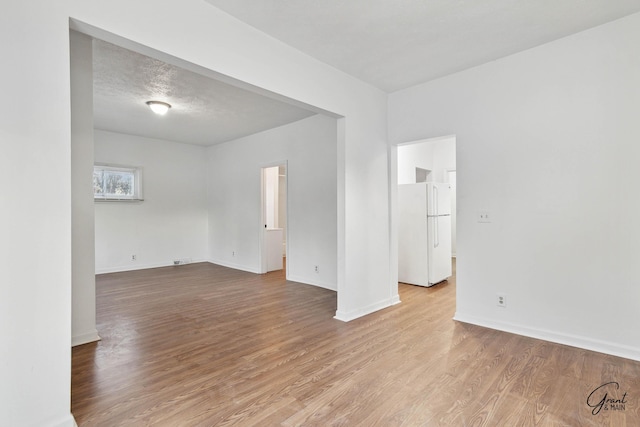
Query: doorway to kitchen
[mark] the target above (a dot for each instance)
(426, 211)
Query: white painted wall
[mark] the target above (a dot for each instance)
(171, 222)
(35, 290)
(453, 185)
(83, 327)
(412, 156)
(35, 216)
(309, 148)
(437, 155)
(248, 57)
(547, 142)
(444, 158)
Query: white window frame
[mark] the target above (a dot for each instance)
(137, 183)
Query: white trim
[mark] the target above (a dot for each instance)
(586, 343)
(122, 268)
(422, 140)
(318, 283)
(352, 315)
(85, 338)
(234, 266)
(67, 421)
(392, 165)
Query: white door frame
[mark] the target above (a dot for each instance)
(261, 229)
(393, 203)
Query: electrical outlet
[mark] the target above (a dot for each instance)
(501, 300)
(134, 257)
(483, 216)
(233, 253)
(317, 269)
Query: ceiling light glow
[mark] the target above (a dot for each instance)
(159, 107)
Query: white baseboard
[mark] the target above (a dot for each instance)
(85, 338)
(586, 343)
(118, 269)
(318, 283)
(67, 421)
(354, 314)
(234, 266)
(292, 278)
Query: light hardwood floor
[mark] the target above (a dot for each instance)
(203, 345)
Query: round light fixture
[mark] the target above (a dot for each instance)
(159, 107)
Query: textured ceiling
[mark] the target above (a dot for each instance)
(389, 44)
(204, 111)
(394, 44)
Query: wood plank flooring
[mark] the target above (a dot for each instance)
(204, 345)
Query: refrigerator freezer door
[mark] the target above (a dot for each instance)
(439, 248)
(438, 199)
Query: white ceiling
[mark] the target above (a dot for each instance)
(391, 44)
(395, 44)
(204, 111)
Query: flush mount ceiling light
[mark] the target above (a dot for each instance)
(159, 107)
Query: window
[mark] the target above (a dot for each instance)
(117, 183)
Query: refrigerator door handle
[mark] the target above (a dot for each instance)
(436, 240)
(436, 211)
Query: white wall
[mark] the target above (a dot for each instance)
(35, 216)
(247, 57)
(437, 155)
(171, 222)
(547, 142)
(453, 185)
(412, 156)
(35, 290)
(83, 327)
(444, 158)
(309, 148)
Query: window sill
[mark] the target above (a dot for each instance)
(118, 200)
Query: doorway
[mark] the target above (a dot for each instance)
(431, 162)
(274, 218)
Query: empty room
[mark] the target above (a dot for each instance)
(146, 296)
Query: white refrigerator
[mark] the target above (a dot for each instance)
(424, 233)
